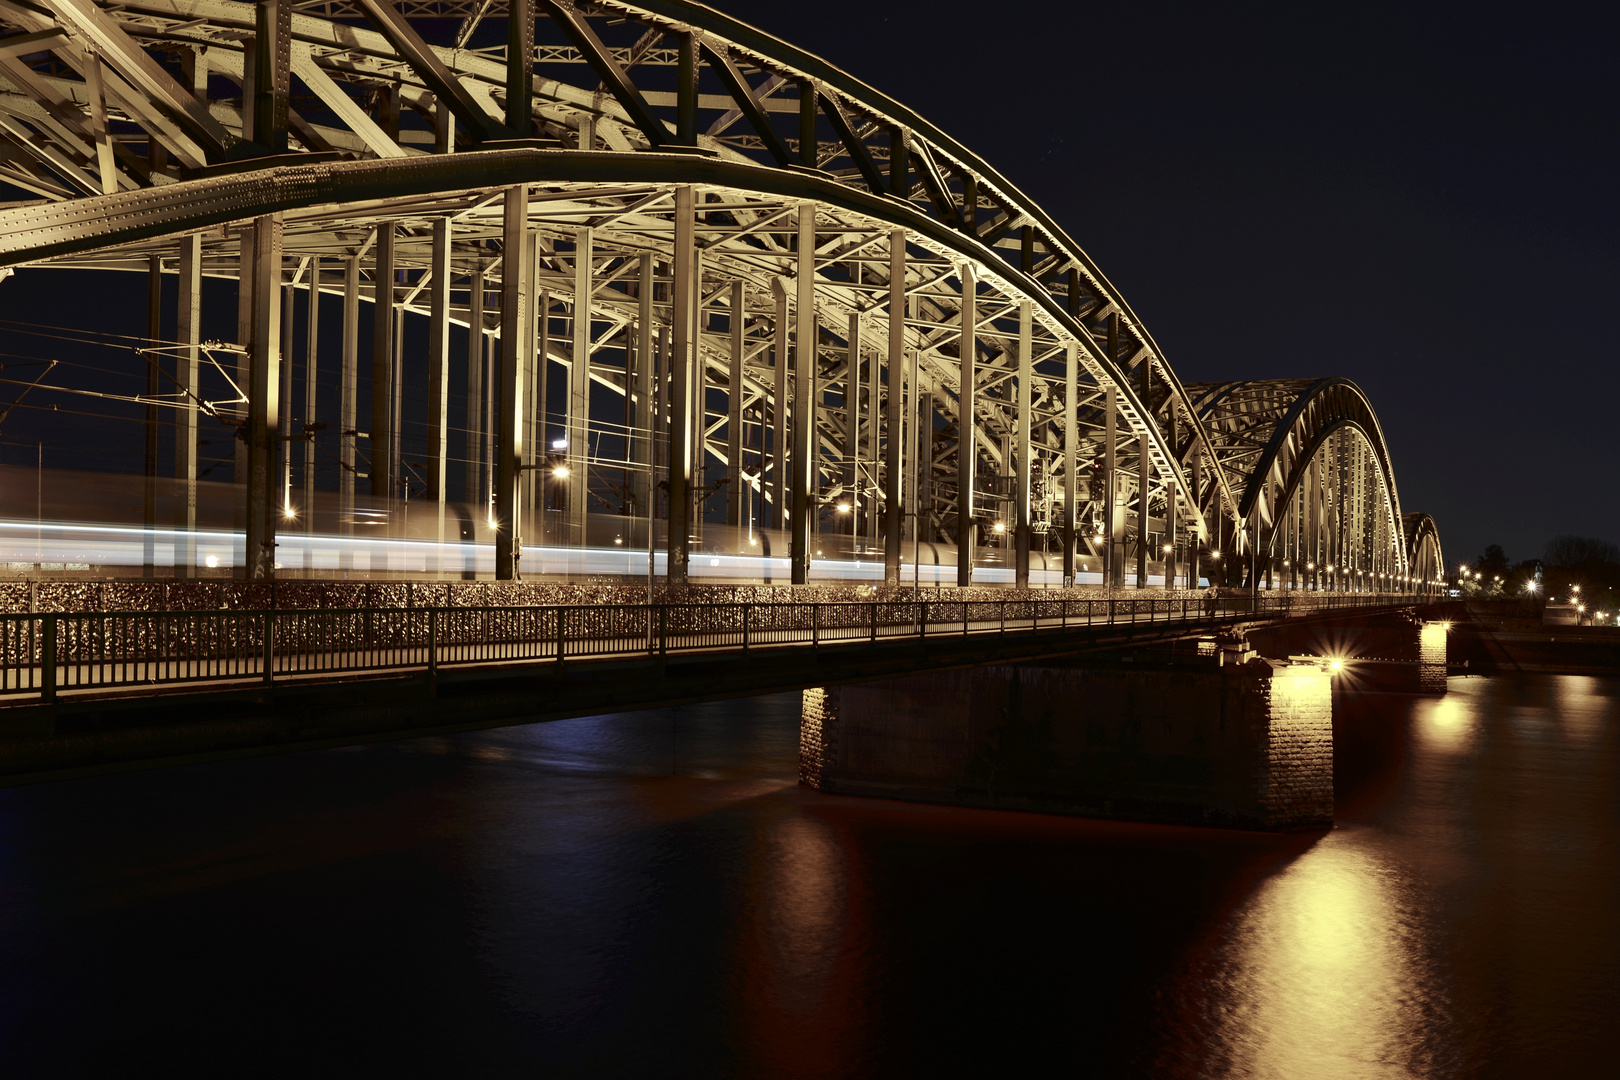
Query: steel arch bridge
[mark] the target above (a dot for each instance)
(772, 297)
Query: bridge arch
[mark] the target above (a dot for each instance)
(725, 226)
(1423, 552)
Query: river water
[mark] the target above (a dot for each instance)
(652, 894)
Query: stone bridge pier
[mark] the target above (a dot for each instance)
(1248, 745)
(1236, 735)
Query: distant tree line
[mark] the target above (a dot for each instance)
(1567, 562)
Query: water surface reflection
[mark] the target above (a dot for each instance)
(653, 893)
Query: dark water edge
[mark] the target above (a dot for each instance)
(652, 893)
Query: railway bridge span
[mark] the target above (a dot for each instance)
(636, 261)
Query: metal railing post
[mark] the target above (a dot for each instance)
(873, 611)
(562, 634)
(747, 612)
(1004, 616)
(269, 646)
(433, 647)
(47, 660)
(815, 625)
(663, 629)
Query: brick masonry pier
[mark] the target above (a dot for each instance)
(1247, 745)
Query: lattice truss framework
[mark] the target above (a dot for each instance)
(137, 123)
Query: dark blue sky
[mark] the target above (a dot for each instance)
(1418, 197)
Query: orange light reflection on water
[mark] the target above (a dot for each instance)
(1320, 977)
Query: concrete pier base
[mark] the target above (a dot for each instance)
(1249, 745)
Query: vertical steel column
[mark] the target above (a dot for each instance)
(804, 405)
(1071, 477)
(312, 335)
(438, 357)
(1171, 501)
(807, 123)
(1194, 497)
(874, 422)
(966, 452)
(923, 526)
(1143, 487)
(680, 382)
(473, 474)
(264, 398)
(779, 417)
(641, 440)
(289, 295)
(188, 331)
(348, 404)
(1313, 511)
(520, 67)
(699, 390)
(382, 367)
(537, 439)
(272, 73)
(893, 465)
(1144, 477)
(1024, 474)
(244, 365)
(1114, 512)
(852, 423)
(579, 389)
(154, 336)
(686, 87)
(736, 480)
(516, 328)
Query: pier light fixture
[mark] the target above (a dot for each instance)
(559, 444)
(1214, 554)
(1310, 566)
(560, 472)
(1168, 548)
(842, 508)
(999, 527)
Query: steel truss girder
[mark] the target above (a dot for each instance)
(952, 206)
(854, 111)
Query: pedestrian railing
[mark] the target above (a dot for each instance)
(45, 653)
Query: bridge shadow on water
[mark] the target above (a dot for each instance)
(653, 893)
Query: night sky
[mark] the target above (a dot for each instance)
(1422, 200)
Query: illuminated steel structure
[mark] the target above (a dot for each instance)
(793, 284)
